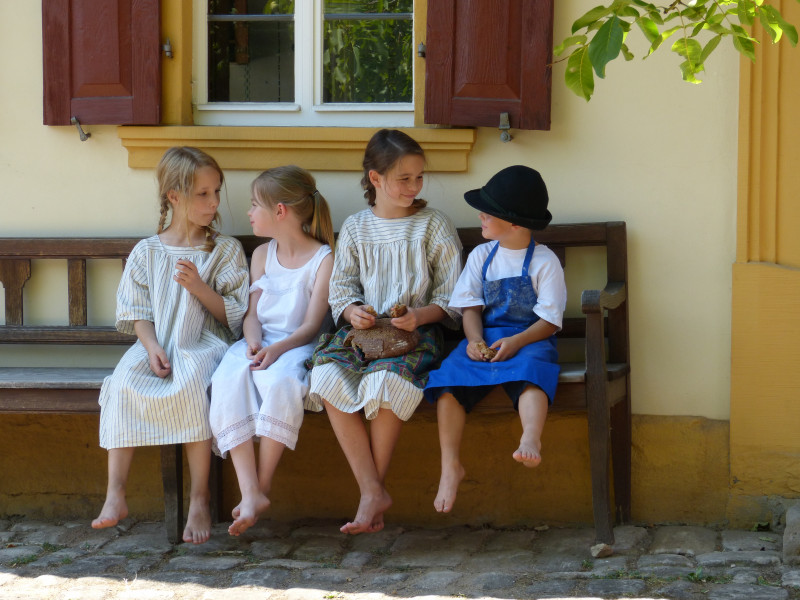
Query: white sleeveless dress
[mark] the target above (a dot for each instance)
(269, 402)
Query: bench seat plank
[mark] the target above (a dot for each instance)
(59, 378)
(53, 378)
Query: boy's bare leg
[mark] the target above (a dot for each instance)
(198, 523)
(384, 430)
(115, 507)
(354, 441)
(532, 412)
(451, 417)
(254, 502)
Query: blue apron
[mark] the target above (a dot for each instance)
(508, 310)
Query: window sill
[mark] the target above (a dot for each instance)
(314, 148)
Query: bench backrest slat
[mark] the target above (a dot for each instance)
(16, 255)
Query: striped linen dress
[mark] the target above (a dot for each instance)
(413, 260)
(138, 408)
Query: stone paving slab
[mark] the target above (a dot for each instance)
(312, 560)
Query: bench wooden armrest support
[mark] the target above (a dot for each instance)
(599, 385)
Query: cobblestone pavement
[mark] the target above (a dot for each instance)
(312, 560)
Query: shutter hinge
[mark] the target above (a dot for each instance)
(421, 50)
(167, 48)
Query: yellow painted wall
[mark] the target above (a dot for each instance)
(680, 473)
(648, 149)
(765, 413)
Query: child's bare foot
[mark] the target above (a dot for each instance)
(198, 523)
(448, 487)
(246, 514)
(369, 518)
(528, 455)
(114, 510)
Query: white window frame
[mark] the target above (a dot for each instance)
(308, 108)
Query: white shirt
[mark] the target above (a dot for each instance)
(545, 272)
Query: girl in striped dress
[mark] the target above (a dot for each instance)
(396, 251)
(184, 294)
(261, 384)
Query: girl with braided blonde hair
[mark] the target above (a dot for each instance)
(176, 173)
(260, 387)
(184, 294)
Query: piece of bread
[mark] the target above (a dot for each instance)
(398, 310)
(383, 340)
(368, 308)
(488, 353)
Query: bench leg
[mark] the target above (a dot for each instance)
(172, 479)
(215, 485)
(599, 422)
(621, 458)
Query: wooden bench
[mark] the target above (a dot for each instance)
(598, 386)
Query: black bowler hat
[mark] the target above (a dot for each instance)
(516, 194)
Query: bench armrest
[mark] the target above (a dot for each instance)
(593, 305)
(595, 301)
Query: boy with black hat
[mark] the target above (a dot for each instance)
(512, 298)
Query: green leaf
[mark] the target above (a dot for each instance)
(628, 11)
(649, 29)
(664, 35)
(591, 17)
(606, 45)
(746, 12)
(710, 47)
(788, 30)
(745, 46)
(626, 52)
(578, 75)
(689, 71)
(688, 48)
(573, 40)
(770, 26)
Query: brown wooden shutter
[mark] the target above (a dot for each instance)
(488, 57)
(102, 61)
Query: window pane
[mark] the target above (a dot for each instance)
(250, 7)
(250, 51)
(369, 6)
(367, 59)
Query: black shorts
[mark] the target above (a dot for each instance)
(469, 396)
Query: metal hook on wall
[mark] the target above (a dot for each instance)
(84, 136)
(505, 127)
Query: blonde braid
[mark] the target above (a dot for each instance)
(162, 221)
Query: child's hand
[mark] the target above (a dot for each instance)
(251, 351)
(188, 276)
(264, 358)
(474, 351)
(506, 348)
(360, 318)
(408, 322)
(159, 363)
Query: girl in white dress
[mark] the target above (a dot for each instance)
(396, 251)
(260, 386)
(184, 294)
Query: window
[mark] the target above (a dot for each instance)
(304, 62)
